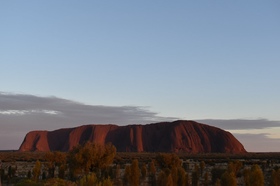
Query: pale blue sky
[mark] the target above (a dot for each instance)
(185, 59)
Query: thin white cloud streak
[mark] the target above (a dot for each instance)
(23, 112)
(270, 132)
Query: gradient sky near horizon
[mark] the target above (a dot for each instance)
(194, 60)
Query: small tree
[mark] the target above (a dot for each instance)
(275, 178)
(36, 170)
(144, 171)
(234, 167)
(217, 174)
(169, 181)
(88, 180)
(182, 178)
(195, 178)
(126, 176)
(174, 175)
(218, 182)
(135, 173)
(106, 182)
(162, 178)
(117, 172)
(91, 157)
(168, 161)
(152, 173)
(53, 160)
(206, 179)
(228, 179)
(246, 177)
(202, 166)
(256, 176)
(61, 172)
(253, 176)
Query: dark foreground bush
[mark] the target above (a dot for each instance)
(58, 182)
(27, 182)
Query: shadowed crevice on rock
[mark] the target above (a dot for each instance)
(58, 139)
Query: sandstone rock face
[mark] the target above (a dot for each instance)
(177, 136)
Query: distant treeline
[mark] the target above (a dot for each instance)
(14, 155)
(95, 164)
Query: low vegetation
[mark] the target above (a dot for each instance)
(94, 164)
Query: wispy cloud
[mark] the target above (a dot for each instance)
(258, 142)
(241, 124)
(21, 113)
(258, 135)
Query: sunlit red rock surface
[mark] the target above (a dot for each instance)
(177, 136)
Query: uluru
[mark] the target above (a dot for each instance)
(177, 136)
